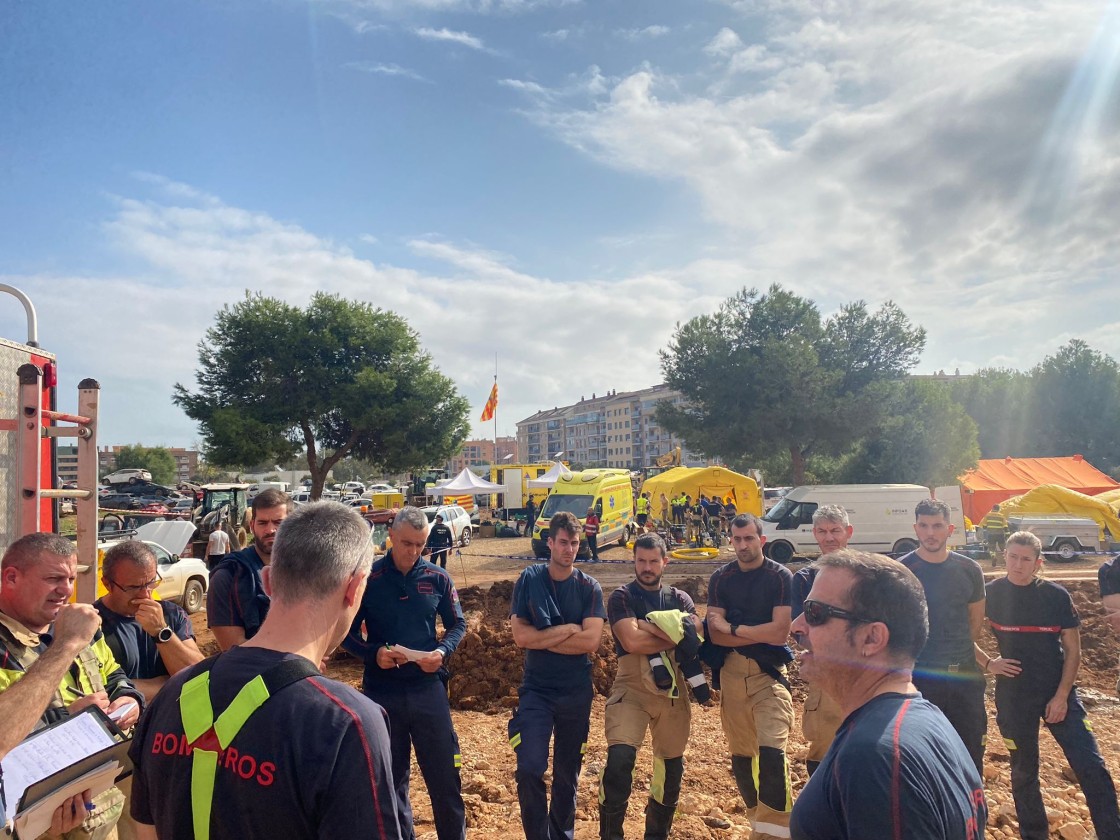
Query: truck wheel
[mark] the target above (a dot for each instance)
(1066, 549)
(540, 550)
(904, 547)
(194, 596)
(465, 537)
(781, 552)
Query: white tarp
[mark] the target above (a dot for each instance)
(556, 471)
(466, 483)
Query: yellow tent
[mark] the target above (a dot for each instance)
(706, 481)
(1050, 498)
(1112, 497)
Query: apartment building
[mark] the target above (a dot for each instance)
(481, 453)
(186, 460)
(609, 430)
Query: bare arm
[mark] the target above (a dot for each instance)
(1058, 706)
(976, 619)
(773, 632)
(525, 635)
(586, 640)
(178, 654)
(1112, 610)
(23, 702)
(644, 637)
(143, 831)
(149, 687)
(227, 637)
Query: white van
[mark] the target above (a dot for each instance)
(261, 486)
(881, 514)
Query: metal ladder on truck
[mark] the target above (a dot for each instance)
(29, 428)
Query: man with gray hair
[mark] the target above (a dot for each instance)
(151, 640)
(821, 718)
(256, 742)
(394, 632)
(896, 767)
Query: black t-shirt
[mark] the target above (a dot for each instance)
(577, 598)
(312, 762)
(1027, 621)
(1108, 576)
(621, 605)
(135, 650)
(802, 585)
(750, 597)
(950, 587)
(895, 769)
(236, 597)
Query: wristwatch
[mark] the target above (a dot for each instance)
(163, 635)
(734, 627)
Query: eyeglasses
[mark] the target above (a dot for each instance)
(817, 613)
(129, 590)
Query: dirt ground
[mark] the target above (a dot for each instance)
(486, 671)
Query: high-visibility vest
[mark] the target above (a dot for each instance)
(643, 504)
(198, 721)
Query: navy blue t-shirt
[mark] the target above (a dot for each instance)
(896, 768)
(1108, 576)
(401, 610)
(621, 605)
(135, 650)
(236, 597)
(576, 598)
(750, 597)
(950, 588)
(1027, 622)
(802, 585)
(313, 761)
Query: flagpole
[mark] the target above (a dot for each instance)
(496, 458)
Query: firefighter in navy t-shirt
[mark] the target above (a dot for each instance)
(948, 669)
(150, 639)
(895, 769)
(1035, 624)
(557, 617)
(237, 603)
(402, 601)
(298, 755)
(440, 540)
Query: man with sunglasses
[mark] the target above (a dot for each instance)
(151, 640)
(947, 671)
(831, 530)
(895, 767)
(749, 612)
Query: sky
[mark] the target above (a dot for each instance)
(550, 186)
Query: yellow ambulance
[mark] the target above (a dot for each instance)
(609, 491)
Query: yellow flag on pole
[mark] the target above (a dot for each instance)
(491, 404)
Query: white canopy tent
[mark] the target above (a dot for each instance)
(556, 471)
(466, 483)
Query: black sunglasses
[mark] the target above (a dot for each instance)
(817, 613)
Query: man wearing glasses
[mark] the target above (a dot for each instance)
(896, 767)
(151, 640)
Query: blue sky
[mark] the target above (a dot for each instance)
(557, 183)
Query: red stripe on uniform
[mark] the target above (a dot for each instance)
(1023, 628)
(365, 747)
(896, 774)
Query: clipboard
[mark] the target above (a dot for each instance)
(116, 751)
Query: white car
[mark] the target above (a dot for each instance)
(129, 476)
(454, 517)
(184, 580)
(379, 488)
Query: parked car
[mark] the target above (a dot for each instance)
(120, 501)
(379, 488)
(184, 579)
(129, 476)
(454, 517)
(354, 487)
(145, 489)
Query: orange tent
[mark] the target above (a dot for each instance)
(995, 480)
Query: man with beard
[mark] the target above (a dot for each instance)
(947, 672)
(895, 768)
(749, 611)
(831, 530)
(237, 602)
(637, 704)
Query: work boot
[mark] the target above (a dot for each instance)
(610, 824)
(659, 819)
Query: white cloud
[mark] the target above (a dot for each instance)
(386, 70)
(883, 150)
(654, 31)
(463, 38)
(196, 253)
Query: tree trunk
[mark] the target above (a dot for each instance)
(797, 460)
